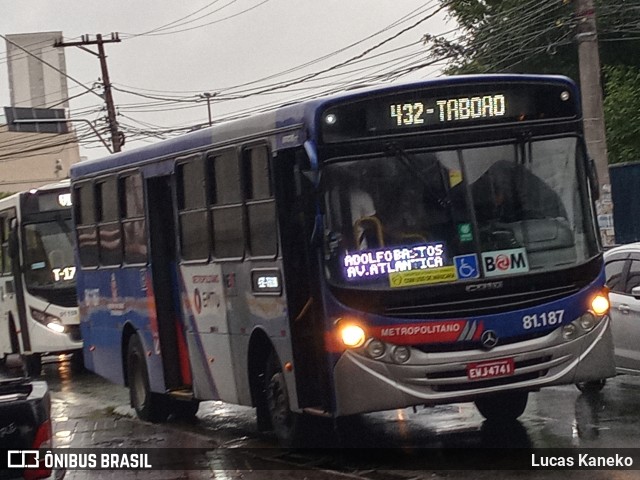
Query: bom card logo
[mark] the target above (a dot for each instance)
(503, 262)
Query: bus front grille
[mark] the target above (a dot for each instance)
(481, 305)
(475, 345)
(456, 380)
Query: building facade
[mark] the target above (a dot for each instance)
(32, 155)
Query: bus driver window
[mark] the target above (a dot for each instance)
(367, 229)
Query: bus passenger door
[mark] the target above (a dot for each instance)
(162, 230)
(297, 217)
(9, 324)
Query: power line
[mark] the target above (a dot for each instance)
(162, 27)
(202, 25)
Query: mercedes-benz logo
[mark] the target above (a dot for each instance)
(489, 339)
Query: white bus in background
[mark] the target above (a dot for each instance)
(38, 302)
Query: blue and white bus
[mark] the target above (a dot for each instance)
(397, 245)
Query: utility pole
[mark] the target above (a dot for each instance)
(593, 111)
(208, 96)
(116, 136)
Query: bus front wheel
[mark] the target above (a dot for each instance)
(77, 362)
(286, 424)
(503, 406)
(593, 386)
(149, 406)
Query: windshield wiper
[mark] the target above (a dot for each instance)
(410, 164)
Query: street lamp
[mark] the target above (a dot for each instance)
(208, 96)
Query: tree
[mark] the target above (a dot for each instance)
(621, 107)
(534, 36)
(538, 36)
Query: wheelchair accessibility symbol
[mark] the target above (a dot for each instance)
(467, 266)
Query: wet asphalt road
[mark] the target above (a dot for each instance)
(558, 417)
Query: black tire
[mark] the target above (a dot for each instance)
(184, 410)
(593, 386)
(13, 340)
(77, 362)
(33, 363)
(13, 335)
(502, 407)
(149, 406)
(287, 425)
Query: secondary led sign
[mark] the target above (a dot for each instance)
(267, 281)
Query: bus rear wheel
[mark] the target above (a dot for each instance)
(287, 425)
(503, 406)
(33, 363)
(149, 406)
(184, 410)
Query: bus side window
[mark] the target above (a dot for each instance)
(109, 233)
(192, 209)
(225, 199)
(261, 206)
(84, 204)
(134, 227)
(7, 261)
(4, 234)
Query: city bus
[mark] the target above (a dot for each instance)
(385, 247)
(38, 302)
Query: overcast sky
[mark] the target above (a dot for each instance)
(174, 50)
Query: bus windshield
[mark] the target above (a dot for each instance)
(428, 217)
(48, 254)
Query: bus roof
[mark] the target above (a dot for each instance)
(12, 199)
(300, 116)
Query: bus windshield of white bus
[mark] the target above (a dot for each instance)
(48, 254)
(412, 218)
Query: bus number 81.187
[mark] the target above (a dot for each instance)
(543, 319)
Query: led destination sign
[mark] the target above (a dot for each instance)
(449, 110)
(383, 262)
(454, 106)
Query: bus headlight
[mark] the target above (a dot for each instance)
(50, 321)
(569, 331)
(352, 335)
(588, 321)
(600, 304)
(401, 354)
(56, 327)
(375, 348)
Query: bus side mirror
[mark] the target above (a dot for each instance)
(594, 181)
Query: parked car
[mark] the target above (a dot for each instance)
(622, 266)
(25, 417)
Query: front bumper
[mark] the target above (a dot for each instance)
(364, 385)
